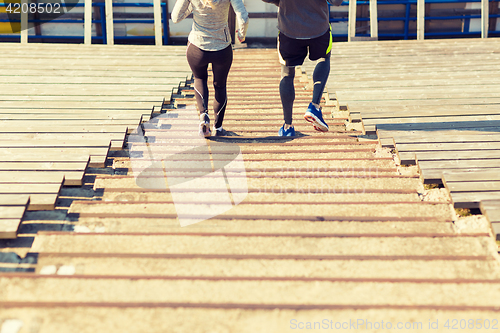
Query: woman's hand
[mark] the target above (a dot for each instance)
(241, 38)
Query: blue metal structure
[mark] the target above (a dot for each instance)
(102, 22)
(408, 18)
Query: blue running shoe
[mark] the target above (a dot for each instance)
(289, 132)
(314, 116)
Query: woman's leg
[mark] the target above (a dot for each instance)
(198, 62)
(221, 64)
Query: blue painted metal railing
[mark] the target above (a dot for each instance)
(407, 19)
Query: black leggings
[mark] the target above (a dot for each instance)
(221, 63)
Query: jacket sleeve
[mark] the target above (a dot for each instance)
(276, 2)
(182, 9)
(241, 17)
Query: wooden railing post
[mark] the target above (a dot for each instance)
(87, 22)
(351, 30)
(485, 18)
(373, 19)
(24, 22)
(110, 32)
(157, 24)
(420, 19)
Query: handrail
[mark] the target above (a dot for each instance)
(104, 38)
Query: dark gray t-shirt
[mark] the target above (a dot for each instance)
(303, 19)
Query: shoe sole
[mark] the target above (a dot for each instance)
(318, 126)
(205, 131)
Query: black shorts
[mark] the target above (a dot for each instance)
(293, 51)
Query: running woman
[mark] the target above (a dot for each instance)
(209, 42)
(304, 26)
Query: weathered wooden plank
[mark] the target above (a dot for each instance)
(58, 114)
(156, 99)
(460, 164)
(12, 212)
(88, 89)
(430, 119)
(425, 102)
(112, 123)
(12, 154)
(69, 178)
(40, 188)
(47, 156)
(12, 209)
(416, 128)
(476, 186)
(434, 176)
(473, 176)
(387, 142)
(491, 126)
(28, 177)
(88, 80)
(454, 135)
(448, 146)
(153, 72)
(179, 69)
(78, 105)
(69, 61)
(491, 204)
(495, 226)
(35, 144)
(9, 227)
(37, 127)
(43, 201)
(14, 199)
(440, 137)
(404, 110)
(457, 155)
(84, 136)
(412, 157)
(472, 199)
(491, 209)
(401, 71)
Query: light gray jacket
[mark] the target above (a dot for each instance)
(210, 31)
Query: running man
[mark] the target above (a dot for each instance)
(304, 27)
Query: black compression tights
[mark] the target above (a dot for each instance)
(221, 63)
(287, 90)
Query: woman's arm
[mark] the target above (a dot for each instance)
(181, 10)
(241, 18)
